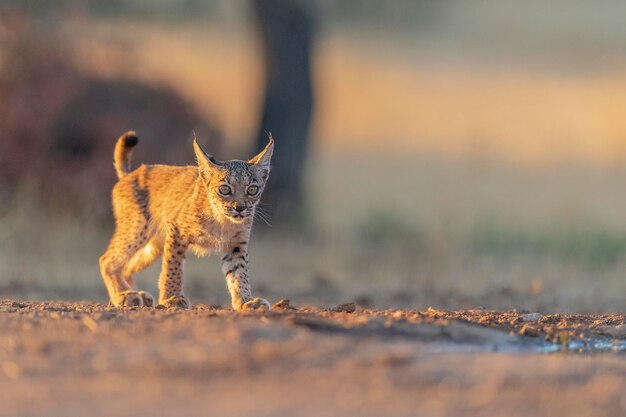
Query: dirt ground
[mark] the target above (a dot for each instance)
(70, 359)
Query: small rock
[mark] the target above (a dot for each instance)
(531, 317)
(283, 304)
(529, 330)
(398, 314)
(344, 308)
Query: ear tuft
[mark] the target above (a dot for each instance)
(264, 158)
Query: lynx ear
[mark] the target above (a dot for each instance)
(263, 159)
(205, 161)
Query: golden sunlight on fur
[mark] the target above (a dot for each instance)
(163, 210)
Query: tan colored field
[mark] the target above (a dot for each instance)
(382, 94)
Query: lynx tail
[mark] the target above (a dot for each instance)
(123, 152)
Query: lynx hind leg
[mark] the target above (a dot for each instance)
(114, 266)
(142, 259)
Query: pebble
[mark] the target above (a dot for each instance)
(344, 308)
(531, 317)
(283, 304)
(398, 314)
(529, 330)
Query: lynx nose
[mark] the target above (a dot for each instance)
(239, 208)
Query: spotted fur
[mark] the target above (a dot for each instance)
(163, 210)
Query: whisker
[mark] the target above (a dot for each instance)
(261, 215)
(265, 221)
(263, 212)
(264, 217)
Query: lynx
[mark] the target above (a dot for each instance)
(163, 210)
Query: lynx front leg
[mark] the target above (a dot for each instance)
(171, 278)
(235, 268)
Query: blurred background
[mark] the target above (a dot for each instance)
(451, 154)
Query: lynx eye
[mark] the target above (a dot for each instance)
(253, 190)
(224, 190)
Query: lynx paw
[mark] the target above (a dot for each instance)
(179, 301)
(256, 304)
(148, 299)
(133, 299)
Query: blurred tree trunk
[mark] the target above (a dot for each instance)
(287, 29)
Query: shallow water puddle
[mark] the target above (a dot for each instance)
(601, 345)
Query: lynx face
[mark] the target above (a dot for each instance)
(234, 186)
(235, 189)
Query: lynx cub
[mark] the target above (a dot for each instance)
(163, 210)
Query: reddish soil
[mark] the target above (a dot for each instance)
(71, 359)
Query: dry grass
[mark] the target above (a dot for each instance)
(430, 232)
